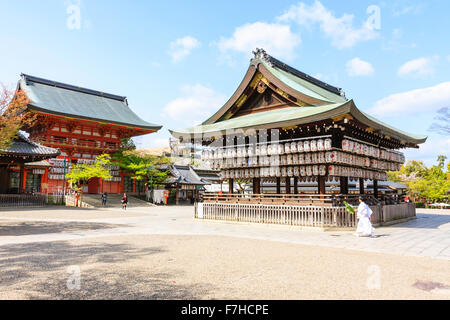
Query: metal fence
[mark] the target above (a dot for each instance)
(22, 200)
(31, 200)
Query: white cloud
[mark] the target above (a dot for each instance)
(410, 102)
(430, 150)
(418, 67)
(182, 47)
(357, 67)
(276, 39)
(196, 105)
(341, 30)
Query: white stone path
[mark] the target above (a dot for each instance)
(427, 236)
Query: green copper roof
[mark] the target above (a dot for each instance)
(301, 85)
(66, 100)
(294, 116)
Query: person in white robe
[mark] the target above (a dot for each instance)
(364, 228)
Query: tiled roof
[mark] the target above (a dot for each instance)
(185, 175)
(22, 146)
(68, 100)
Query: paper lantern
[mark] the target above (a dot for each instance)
(289, 159)
(264, 150)
(306, 146)
(320, 145)
(278, 171)
(301, 159)
(287, 148)
(315, 170)
(327, 144)
(293, 147)
(300, 146)
(307, 158)
(290, 171)
(302, 171)
(345, 145)
(296, 171)
(280, 149)
(351, 146)
(313, 145)
(308, 170)
(322, 170)
(269, 149)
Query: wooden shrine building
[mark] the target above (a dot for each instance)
(81, 123)
(284, 126)
(12, 164)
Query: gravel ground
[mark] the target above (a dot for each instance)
(210, 267)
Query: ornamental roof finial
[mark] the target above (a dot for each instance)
(261, 54)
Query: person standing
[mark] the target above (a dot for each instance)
(364, 228)
(104, 198)
(124, 201)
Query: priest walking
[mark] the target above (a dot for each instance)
(365, 228)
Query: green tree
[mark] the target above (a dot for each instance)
(425, 184)
(83, 171)
(151, 167)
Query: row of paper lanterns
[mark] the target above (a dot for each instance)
(300, 147)
(308, 158)
(268, 149)
(342, 171)
(371, 151)
(303, 171)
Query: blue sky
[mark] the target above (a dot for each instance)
(178, 61)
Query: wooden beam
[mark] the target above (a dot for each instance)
(361, 186)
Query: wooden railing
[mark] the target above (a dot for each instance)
(294, 215)
(311, 216)
(328, 200)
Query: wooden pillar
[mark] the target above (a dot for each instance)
(22, 178)
(278, 185)
(343, 185)
(288, 185)
(4, 179)
(255, 185)
(295, 185)
(361, 185)
(321, 184)
(177, 195)
(230, 186)
(375, 188)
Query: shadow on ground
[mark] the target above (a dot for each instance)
(17, 228)
(40, 271)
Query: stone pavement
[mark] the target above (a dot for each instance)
(427, 236)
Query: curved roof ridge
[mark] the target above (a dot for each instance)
(261, 54)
